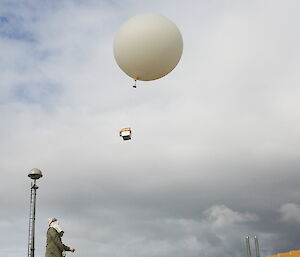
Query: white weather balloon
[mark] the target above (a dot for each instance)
(148, 47)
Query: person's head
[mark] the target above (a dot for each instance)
(54, 223)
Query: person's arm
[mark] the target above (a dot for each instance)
(67, 248)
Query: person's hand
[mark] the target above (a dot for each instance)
(72, 250)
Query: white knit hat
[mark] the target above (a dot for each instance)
(54, 223)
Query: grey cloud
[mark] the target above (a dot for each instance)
(290, 212)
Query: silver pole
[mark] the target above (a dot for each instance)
(34, 174)
(34, 187)
(248, 247)
(30, 223)
(256, 246)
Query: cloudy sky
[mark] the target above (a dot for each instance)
(215, 149)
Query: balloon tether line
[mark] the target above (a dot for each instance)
(134, 84)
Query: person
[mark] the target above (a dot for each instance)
(55, 247)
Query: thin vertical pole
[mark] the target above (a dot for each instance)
(256, 246)
(248, 247)
(31, 248)
(30, 223)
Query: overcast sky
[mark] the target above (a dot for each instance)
(216, 143)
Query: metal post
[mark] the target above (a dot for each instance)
(31, 248)
(35, 187)
(248, 247)
(30, 223)
(256, 247)
(34, 174)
